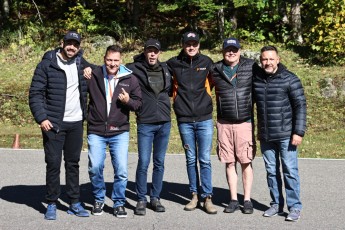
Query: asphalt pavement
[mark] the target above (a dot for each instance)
(23, 188)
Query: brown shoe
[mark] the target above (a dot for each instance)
(193, 203)
(209, 207)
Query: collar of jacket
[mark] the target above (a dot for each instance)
(141, 60)
(51, 56)
(261, 74)
(280, 69)
(121, 72)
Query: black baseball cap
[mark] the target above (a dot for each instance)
(152, 43)
(72, 35)
(190, 36)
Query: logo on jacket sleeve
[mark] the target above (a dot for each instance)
(201, 68)
(123, 84)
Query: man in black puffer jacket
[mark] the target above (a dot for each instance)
(281, 111)
(232, 78)
(57, 100)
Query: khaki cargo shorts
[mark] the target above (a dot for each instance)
(235, 142)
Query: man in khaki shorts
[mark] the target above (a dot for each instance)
(232, 79)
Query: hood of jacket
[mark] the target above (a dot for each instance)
(139, 58)
(123, 71)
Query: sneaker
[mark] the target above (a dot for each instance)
(157, 206)
(97, 209)
(78, 210)
(120, 212)
(273, 211)
(51, 212)
(294, 215)
(232, 207)
(248, 207)
(140, 209)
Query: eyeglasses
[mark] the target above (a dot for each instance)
(191, 43)
(231, 49)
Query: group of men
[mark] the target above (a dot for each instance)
(58, 101)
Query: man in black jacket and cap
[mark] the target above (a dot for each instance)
(153, 123)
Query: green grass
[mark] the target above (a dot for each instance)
(325, 135)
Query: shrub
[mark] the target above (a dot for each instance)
(327, 35)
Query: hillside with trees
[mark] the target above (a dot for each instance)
(315, 28)
(310, 35)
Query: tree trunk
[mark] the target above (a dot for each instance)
(135, 17)
(283, 12)
(133, 12)
(234, 20)
(6, 8)
(5, 11)
(296, 21)
(220, 17)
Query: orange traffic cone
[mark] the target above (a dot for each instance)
(16, 144)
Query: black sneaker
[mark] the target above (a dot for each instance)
(157, 206)
(140, 209)
(232, 207)
(248, 207)
(97, 209)
(120, 212)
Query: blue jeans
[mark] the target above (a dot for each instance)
(150, 136)
(288, 158)
(197, 143)
(118, 148)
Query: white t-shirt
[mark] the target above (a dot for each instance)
(73, 111)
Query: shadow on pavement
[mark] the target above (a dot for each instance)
(33, 196)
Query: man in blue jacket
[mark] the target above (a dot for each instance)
(113, 93)
(57, 100)
(153, 123)
(281, 111)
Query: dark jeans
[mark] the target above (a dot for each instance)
(150, 136)
(68, 142)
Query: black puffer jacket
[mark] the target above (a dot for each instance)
(234, 103)
(191, 87)
(281, 104)
(155, 108)
(47, 94)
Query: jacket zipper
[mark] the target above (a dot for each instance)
(192, 88)
(265, 105)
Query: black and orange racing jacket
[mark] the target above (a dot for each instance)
(191, 87)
